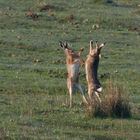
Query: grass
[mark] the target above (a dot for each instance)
(115, 103)
(33, 93)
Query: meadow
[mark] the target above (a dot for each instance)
(33, 92)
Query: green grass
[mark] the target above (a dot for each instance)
(33, 93)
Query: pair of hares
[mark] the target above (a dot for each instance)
(91, 69)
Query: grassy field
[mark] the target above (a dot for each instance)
(33, 93)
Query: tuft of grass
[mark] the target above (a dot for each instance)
(115, 103)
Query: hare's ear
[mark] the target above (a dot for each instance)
(61, 44)
(97, 45)
(66, 44)
(91, 46)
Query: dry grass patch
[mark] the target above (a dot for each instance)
(114, 104)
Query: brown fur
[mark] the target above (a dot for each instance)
(91, 68)
(73, 66)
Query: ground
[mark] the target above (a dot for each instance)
(33, 93)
